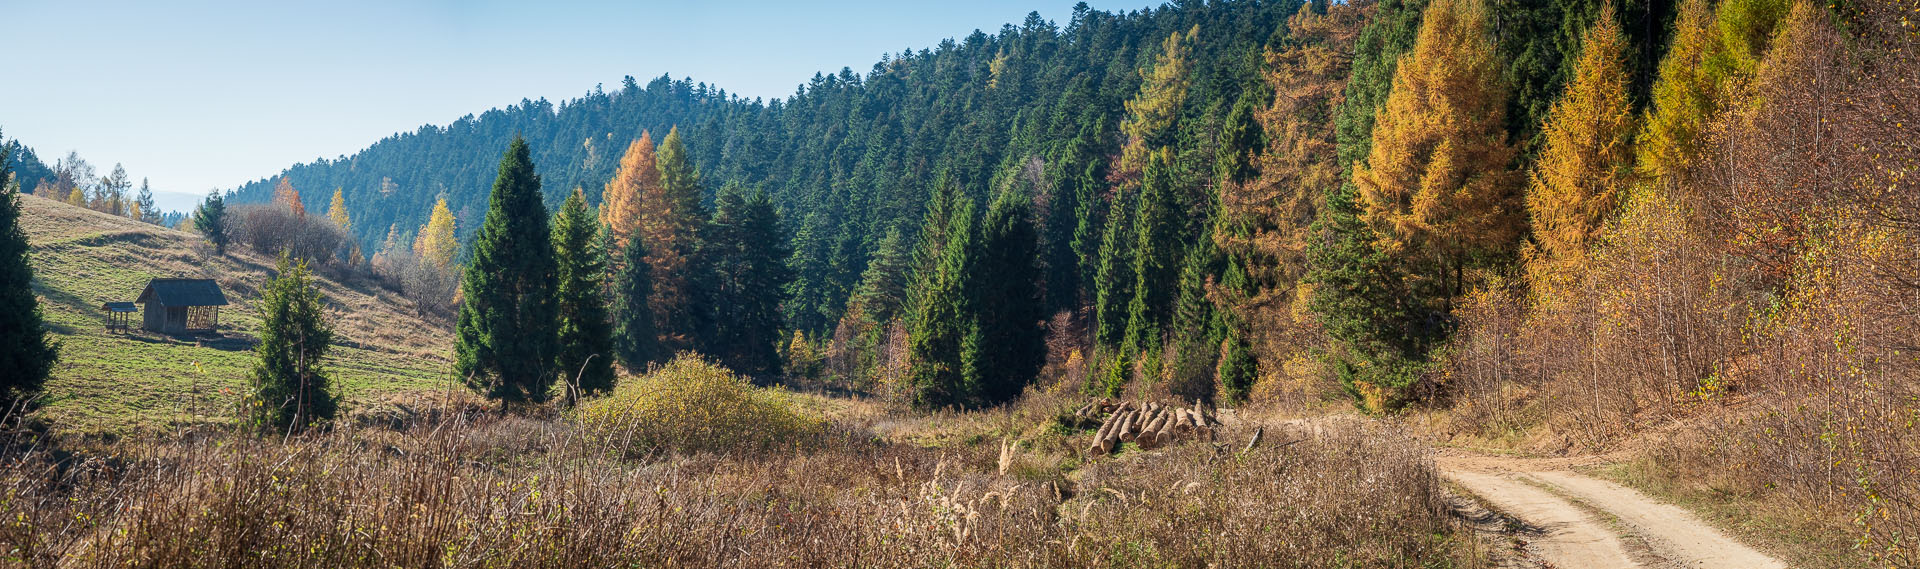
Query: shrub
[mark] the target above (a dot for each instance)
(692, 405)
(273, 228)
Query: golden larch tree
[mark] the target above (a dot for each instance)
(337, 211)
(1586, 159)
(1439, 187)
(1267, 219)
(620, 203)
(436, 245)
(1152, 113)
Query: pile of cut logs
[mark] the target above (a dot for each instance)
(1146, 424)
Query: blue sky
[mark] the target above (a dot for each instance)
(197, 95)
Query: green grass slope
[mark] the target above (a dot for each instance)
(112, 382)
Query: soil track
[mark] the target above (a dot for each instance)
(1571, 521)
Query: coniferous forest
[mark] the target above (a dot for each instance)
(1673, 238)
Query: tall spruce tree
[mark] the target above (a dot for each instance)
(1196, 329)
(586, 337)
(505, 340)
(211, 220)
(291, 390)
(25, 349)
(1156, 257)
(634, 339)
(749, 252)
(1008, 301)
(942, 320)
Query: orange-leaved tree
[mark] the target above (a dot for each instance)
(1587, 156)
(1439, 187)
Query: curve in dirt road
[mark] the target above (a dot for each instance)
(1571, 537)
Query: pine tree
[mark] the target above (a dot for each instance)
(505, 340)
(1438, 187)
(25, 349)
(337, 211)
(1586, 158)
(436, 245)
(291, 390)
(621, 204)
(586, 353)
(634, 339)
(749, 253)
(143, 208)
(1008, 301)
(941, 323)
(284, 194)
(211, 220)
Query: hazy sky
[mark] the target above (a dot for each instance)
(197, 95)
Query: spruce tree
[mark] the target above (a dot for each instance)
(505, 340)
(1113, 282)
(211, 220)
(942, 321)
(1008, 301)
(1156, 257)
(634, 340)
(143, 208)
(1196, 327)
(291, 390)
(749, 252)
(25, 349)
(586, 336)
(1237, 369)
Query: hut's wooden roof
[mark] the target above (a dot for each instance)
(183, 292)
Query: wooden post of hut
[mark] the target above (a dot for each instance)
(119, 315)
(182, 306)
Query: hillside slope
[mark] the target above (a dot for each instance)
(113, 382)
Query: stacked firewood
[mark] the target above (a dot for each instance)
(1146, 424)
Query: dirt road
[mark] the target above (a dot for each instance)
(1572, 521)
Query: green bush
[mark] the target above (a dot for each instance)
(692, 405)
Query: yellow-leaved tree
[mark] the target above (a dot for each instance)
(337, 211)
(1438, 187)
(436, 246)
(1587, 158)
(1152, 113)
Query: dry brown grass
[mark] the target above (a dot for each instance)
(480, 490)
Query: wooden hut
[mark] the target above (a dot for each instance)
(179, 306)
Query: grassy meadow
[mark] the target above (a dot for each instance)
(113, 382)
